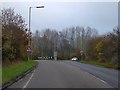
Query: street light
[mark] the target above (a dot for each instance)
(40, 7)
(29, 33)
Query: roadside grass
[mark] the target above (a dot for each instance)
(107, 65)
(13, 71)
(0, 76)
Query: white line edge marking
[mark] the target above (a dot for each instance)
(103, 81)
(100, 79)
(97, 78)
(28, 81)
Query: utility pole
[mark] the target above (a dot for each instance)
(82, 43)
(69, 50)
(55, 48)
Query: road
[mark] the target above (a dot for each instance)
(106, 74)
(61, 74)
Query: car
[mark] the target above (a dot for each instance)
(74, 59)
(50, 57)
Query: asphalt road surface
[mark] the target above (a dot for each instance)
(64, 74)
(106, 74)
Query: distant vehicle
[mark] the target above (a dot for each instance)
(74, 59)
(50, 58)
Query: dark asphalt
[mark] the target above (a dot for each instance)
(108, 75)
(60, 74)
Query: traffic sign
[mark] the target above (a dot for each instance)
(29, 50)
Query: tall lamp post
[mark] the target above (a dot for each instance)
(29, 33)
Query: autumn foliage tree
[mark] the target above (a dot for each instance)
(104, 48)
(14, 36)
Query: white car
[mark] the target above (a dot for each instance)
(74, 59)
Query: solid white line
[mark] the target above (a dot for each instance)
(103, 81)
(100, 79)
(28, 81)
(96, 77)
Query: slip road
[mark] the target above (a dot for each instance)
(60, 74)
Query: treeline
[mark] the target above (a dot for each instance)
(75, 41)
(14, 37)
(68, 43)
(104, 48)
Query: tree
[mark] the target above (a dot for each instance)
(14, 36)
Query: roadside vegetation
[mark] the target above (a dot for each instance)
(84, 43)
(104, 50)
(68, 42)
(106, 65)
(12, 71)
(14, 45)
(14, 37)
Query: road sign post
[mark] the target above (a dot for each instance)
(29, 50)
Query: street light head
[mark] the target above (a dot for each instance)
(40, 7)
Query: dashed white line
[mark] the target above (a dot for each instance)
(28, 81)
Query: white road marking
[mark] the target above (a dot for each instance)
(99, 79)
(28, 81)
(103, 81)
(96, 77)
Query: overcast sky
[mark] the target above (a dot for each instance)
(59, 15)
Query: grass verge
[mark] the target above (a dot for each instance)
(0, 76)
(107, 65)
(13, 71)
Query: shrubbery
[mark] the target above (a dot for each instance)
(14, 36)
